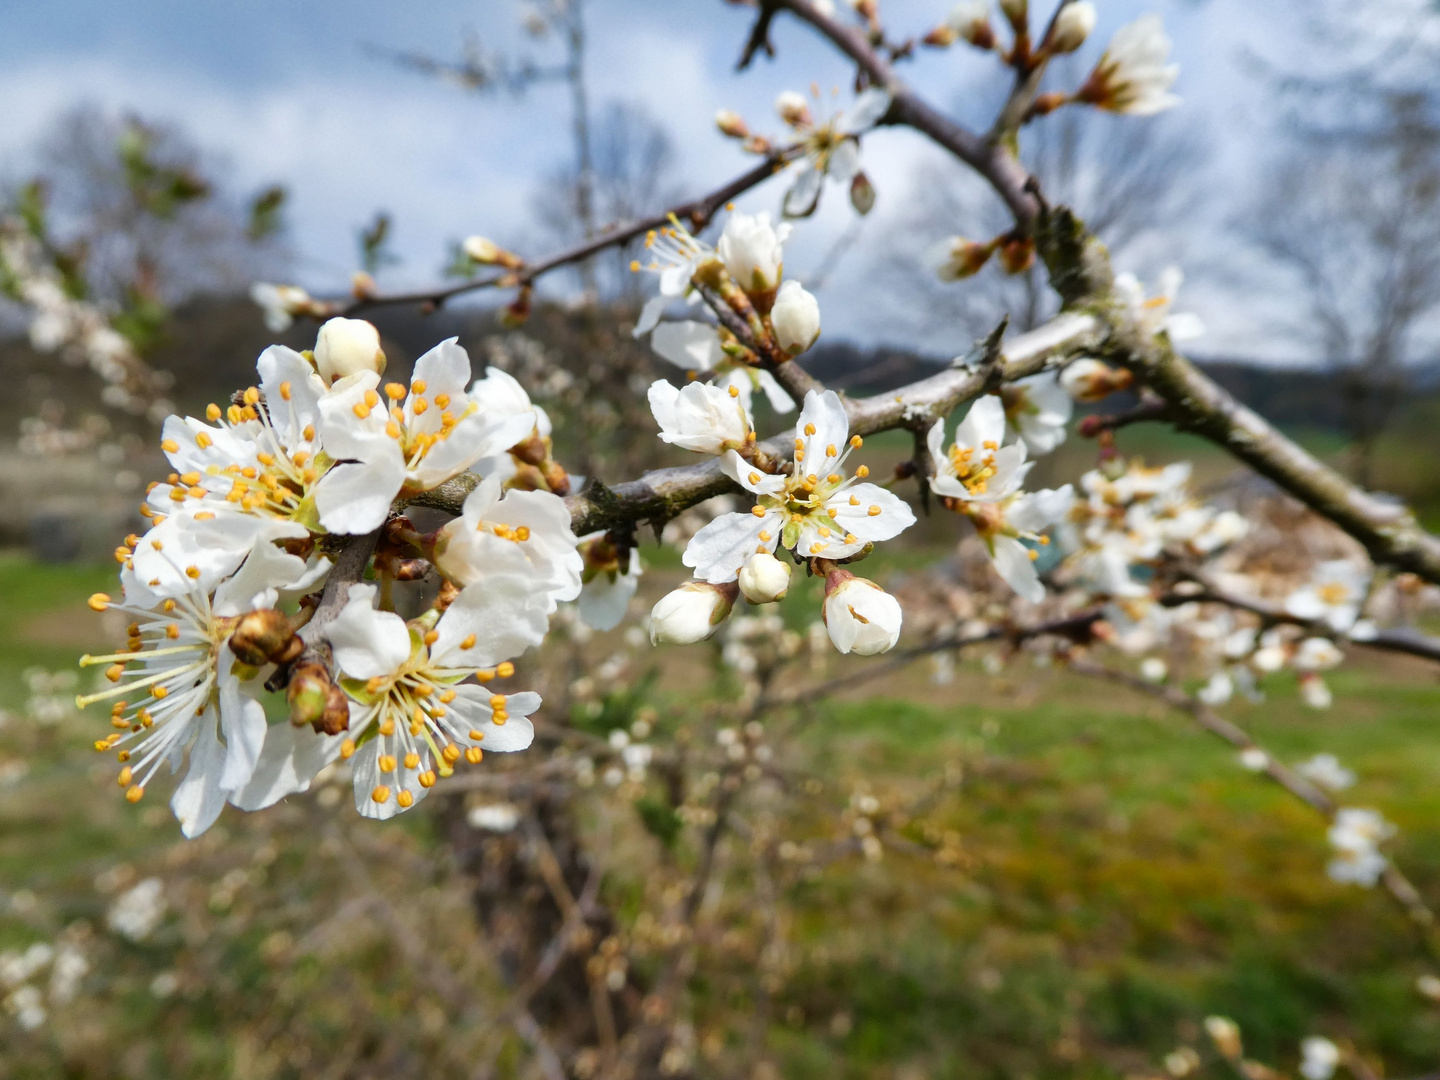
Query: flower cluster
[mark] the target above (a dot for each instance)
(813, 511)
(223, 587)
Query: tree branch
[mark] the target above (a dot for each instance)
(697, 212)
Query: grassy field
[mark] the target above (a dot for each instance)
(1118, 876)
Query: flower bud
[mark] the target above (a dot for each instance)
(1073, 24)
(942, 37)
(1225, 1034)
(1090, 380)
(518, 310)
(750, 248)
(860, 617)
(308, 694)
(481, 249)
(1017, 255)
(862, 194)
(795, 318)
(732, 124)
(1017, 12)
(970, 19)
(793, 108)
(691, 613)
(345, 346)
(764, 578)
(962, 258)
(264, 637)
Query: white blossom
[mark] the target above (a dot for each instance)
(1038, 409)
(832, 148)
(492, 527)
(1133, 76)
(409, 441)
(1356, 835)
(1318, 1058)
(1334, 594)
(814, 510)
(137, 912)
(605, 594)
(702, 417)
(1153, 314)
(1326, 771)
(751, 249)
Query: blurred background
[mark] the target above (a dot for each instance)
(1072, 879)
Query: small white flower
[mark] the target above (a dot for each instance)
(409, 702)
(1314, 691)
(492, 527)
(1335, 594)
(1153, 314)
(1356, 835)
(493, 817)
(281, 303)
(1218, 690)
(1133, 76)
(702, 417)
(1253, 759)
(832, 149)
(408, 441)
(1319, 1057)
(137, 912)
(1038, 408)
(764, 578)
(345, 346)
(1326, 771)
(860, 617)
(1153, 669)
(796, 318)
(1317, 654)
(690, 613)
(814, 510)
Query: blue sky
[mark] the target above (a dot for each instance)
(287, 93)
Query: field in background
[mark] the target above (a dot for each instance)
(1118, 878)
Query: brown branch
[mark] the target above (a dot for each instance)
(1396, 883)
(696, 212)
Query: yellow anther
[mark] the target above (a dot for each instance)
(190, 479)
(192, 572)
(395, 391)
(833, 478)
(372, 398)
(212, 412)
(856, 441)
(265, 459)
(167, 607)
(98, 601)
(418, 386)
(825, 532)
(522, 533)
(734, 391)
(469, 642)
(473, 754)
(135, 794)
(863, 471)
(758, 510)
(126, 775)
(634, 266)
(387, 726)
(990, 444)
(405, 800)
(450, 754)
(832, 512)
(419, 405)
(505, 669)
(874, 511)
(386, 763)
(309, 433)
(285, 390)
(170, 446)
(381, 794)
(347, 749)
(498, 717)
(442, 401)
(159, 692)
(809, 429)
(204, 515)
(115, 672)
(427, 779)
(431, 636)
(830, 450)
(412, 760)
(363, 412)
(447, 696)
(765, 536)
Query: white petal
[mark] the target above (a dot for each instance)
(749, 477)
(368, 643)
(517, 733)
(502, 615)
(826, 413)
(198, 799)
(869, 106)
(894, 517)
(242, 720)
(780, 400)
(688, 344)
(650, 315)
(289, 759)
(1013, 563)
(719, 550)
(985, 422)
(804, 194)
(355, 498)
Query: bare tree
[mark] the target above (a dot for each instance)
(1354, 222)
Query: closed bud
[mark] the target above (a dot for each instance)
(970, 19)
(518, 310)
(307, 695)
(860, 617)
(795, 318)
(764, 578)
(1017, 255)
(942, 37)
(732, 124)
(691, 613)
(1017, 12)
(961, 258)
(1073, 24)
(793, 108)
(862, 194)
(1225, 1034)
(484, 251)
(336, 717)
(345, 346)
(362, 285)
(264, 637)
(750, 248)
(1090, 380)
